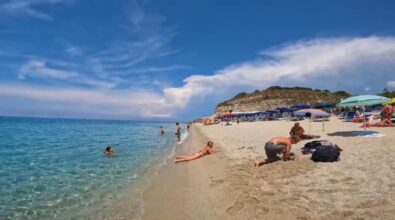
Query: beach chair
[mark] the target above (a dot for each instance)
(341, 115)
(349, 117)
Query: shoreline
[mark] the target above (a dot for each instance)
(184, 190)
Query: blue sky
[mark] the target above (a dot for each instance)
(174, 60)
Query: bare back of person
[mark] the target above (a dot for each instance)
(278, 145)
(280, 141)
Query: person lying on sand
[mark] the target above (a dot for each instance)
(278, 145)
(383, 123)
(205, 151)
(298, 131)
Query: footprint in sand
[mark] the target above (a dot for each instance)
(216, 182)
(235, 208)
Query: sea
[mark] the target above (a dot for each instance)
(56, 169)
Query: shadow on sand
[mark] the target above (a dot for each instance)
(354, 133)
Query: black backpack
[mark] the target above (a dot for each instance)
(311, 146)
(326, 153)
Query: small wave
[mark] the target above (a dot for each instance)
(184, 136)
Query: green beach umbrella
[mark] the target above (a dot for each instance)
(363, 100)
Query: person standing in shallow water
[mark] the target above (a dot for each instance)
(162, 131)
(178, 131)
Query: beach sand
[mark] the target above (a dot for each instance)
(226, 185)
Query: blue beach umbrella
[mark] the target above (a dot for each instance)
(324, 105)
(300, 106)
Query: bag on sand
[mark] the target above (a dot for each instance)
(312, 145)
(326, 153)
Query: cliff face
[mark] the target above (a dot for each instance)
(275, 97)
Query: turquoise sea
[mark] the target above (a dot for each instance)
(55, 168)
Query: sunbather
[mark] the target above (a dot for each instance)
(298, 131)
(205, 151)
(276, 146)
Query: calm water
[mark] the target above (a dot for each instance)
(55, 168)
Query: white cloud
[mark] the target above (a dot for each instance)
(339, 60)
(367, 89)
(73, 51)
(38, 68)
(391, 84)
(28, 8)
(339, 63)
(126, 103)
(153, 69)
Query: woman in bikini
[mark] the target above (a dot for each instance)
(205, 151)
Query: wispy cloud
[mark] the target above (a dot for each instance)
(119, 103)
(148, 38)
(154, 69)
(28, 8)
(38, 68)
(324, 63)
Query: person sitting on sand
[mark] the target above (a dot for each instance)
(298, 131)
(109, 151)
(205, 151)
(278, 145)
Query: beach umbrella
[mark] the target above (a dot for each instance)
(300, 106)
(391, 101)
(363, 101)
(324, 105)
(316, 113)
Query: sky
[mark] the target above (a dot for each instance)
(175, 60)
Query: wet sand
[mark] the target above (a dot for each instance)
(227, 186)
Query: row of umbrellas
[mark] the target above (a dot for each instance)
(360, 100)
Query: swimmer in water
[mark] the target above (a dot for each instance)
(109, 151)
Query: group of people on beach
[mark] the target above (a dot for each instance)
(386, 117)
(274, 147)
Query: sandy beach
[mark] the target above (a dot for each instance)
(226, 185)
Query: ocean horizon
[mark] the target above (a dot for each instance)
(55, 168)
